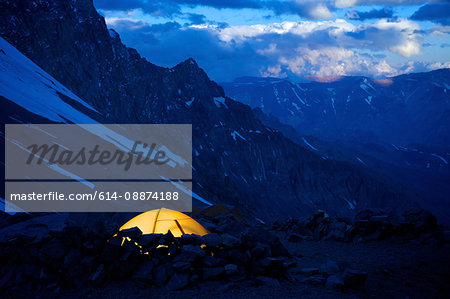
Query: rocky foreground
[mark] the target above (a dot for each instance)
(372, 255)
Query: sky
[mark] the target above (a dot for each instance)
(290, 39)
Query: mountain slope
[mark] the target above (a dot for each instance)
(237, 160)
(398, 127)
(403, 110)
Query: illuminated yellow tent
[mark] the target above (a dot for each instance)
(160, 221)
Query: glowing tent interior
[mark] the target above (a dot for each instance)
(162, 220)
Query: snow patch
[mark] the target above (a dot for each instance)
(442, 158)
(299, 98)
(190, 102)
(308, 144)
(234, 133)
(350, 205)
(219, 101)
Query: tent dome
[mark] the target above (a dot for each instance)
(162, 220)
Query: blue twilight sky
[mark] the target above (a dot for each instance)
(287, 38)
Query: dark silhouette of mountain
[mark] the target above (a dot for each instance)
(237, 159)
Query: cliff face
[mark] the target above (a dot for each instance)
(237, 160)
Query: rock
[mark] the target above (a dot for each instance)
(191, 239)
(238, 257)
(216, 210)
(162, 273)
(273, 266)
(251, 236)
(240, 275)
(354, 278)
(73, 258)
(194, 278)
(422, 220)
(115, 241)
(98, 273)
(181, 266)
(268, 281)
(212, 240)
(5, 281)
(178, 281)
(225, 287)
(446, 236)
(168, 239)
(261, 251)
(230, 226)
(231, 269)
(144, 273)
(277, 249)
(110, 253)
(129, 249)
(211, 261)
(314, 280)
(149, 241)
(294, 238)
(334, 282)
(329, 268)
(212, 272)
(309, 271)
(230, 241)
(193, 252)
(54, 249)
(133, 233)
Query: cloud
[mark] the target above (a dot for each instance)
(354, 3)
(386, 12)
(310, 9)
(196, 18)
(399, 36)
(437, 13)
(287, 49)
(334, 61)
(155, 8)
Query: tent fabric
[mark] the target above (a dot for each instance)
(160, 221)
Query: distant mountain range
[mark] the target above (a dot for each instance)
(403, 110)
(399, 126)
(237, 158)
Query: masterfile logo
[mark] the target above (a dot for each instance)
(99, 168)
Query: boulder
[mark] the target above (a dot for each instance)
(314, 280)
(354, 278)
(329, 268)
(268, 281)
(149, 241)
(73, 258)
(162, 273)
(54, 249)
(133, 233)
(210, 261)
(191, 239)
(309, 271)
(212, 272)
(335, 282)
(98, 274)
(178, 281)
(193, 252)
(294, 238)
(230, 241)
(212, 240)
(231, 269)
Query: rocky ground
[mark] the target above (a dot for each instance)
(372, 255)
